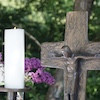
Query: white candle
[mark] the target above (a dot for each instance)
(14, 58)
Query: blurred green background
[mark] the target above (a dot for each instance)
(45, 20)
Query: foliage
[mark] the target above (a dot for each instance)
(94, 22)
(93, 85)
(45, 20)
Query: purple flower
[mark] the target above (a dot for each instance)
(35, 62)
(32, 63)
(28, 65)
(36, 77)
(48, 78)
(40, 75)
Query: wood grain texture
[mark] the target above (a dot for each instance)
(76, 37)
(53, 63)
(92, 48)
(76, 33)
(46, 50)
(82, 83)
(92, 64)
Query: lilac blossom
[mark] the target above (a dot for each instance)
(48, 78)
(28, 65)
(32, 63)
(36, 63)
(40, 75)
(36, 77)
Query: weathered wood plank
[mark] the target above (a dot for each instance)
(47, 52)
(92, 64)
(76, 37)
(53, 63)
(92, 48)
(82, 83)
(76, 33)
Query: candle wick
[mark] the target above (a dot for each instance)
(14, 27)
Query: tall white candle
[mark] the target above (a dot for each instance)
(14, 58)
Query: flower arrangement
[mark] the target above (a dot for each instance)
(35, 72)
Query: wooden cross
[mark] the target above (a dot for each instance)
(76, 37)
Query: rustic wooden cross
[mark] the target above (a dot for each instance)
(76, 37)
